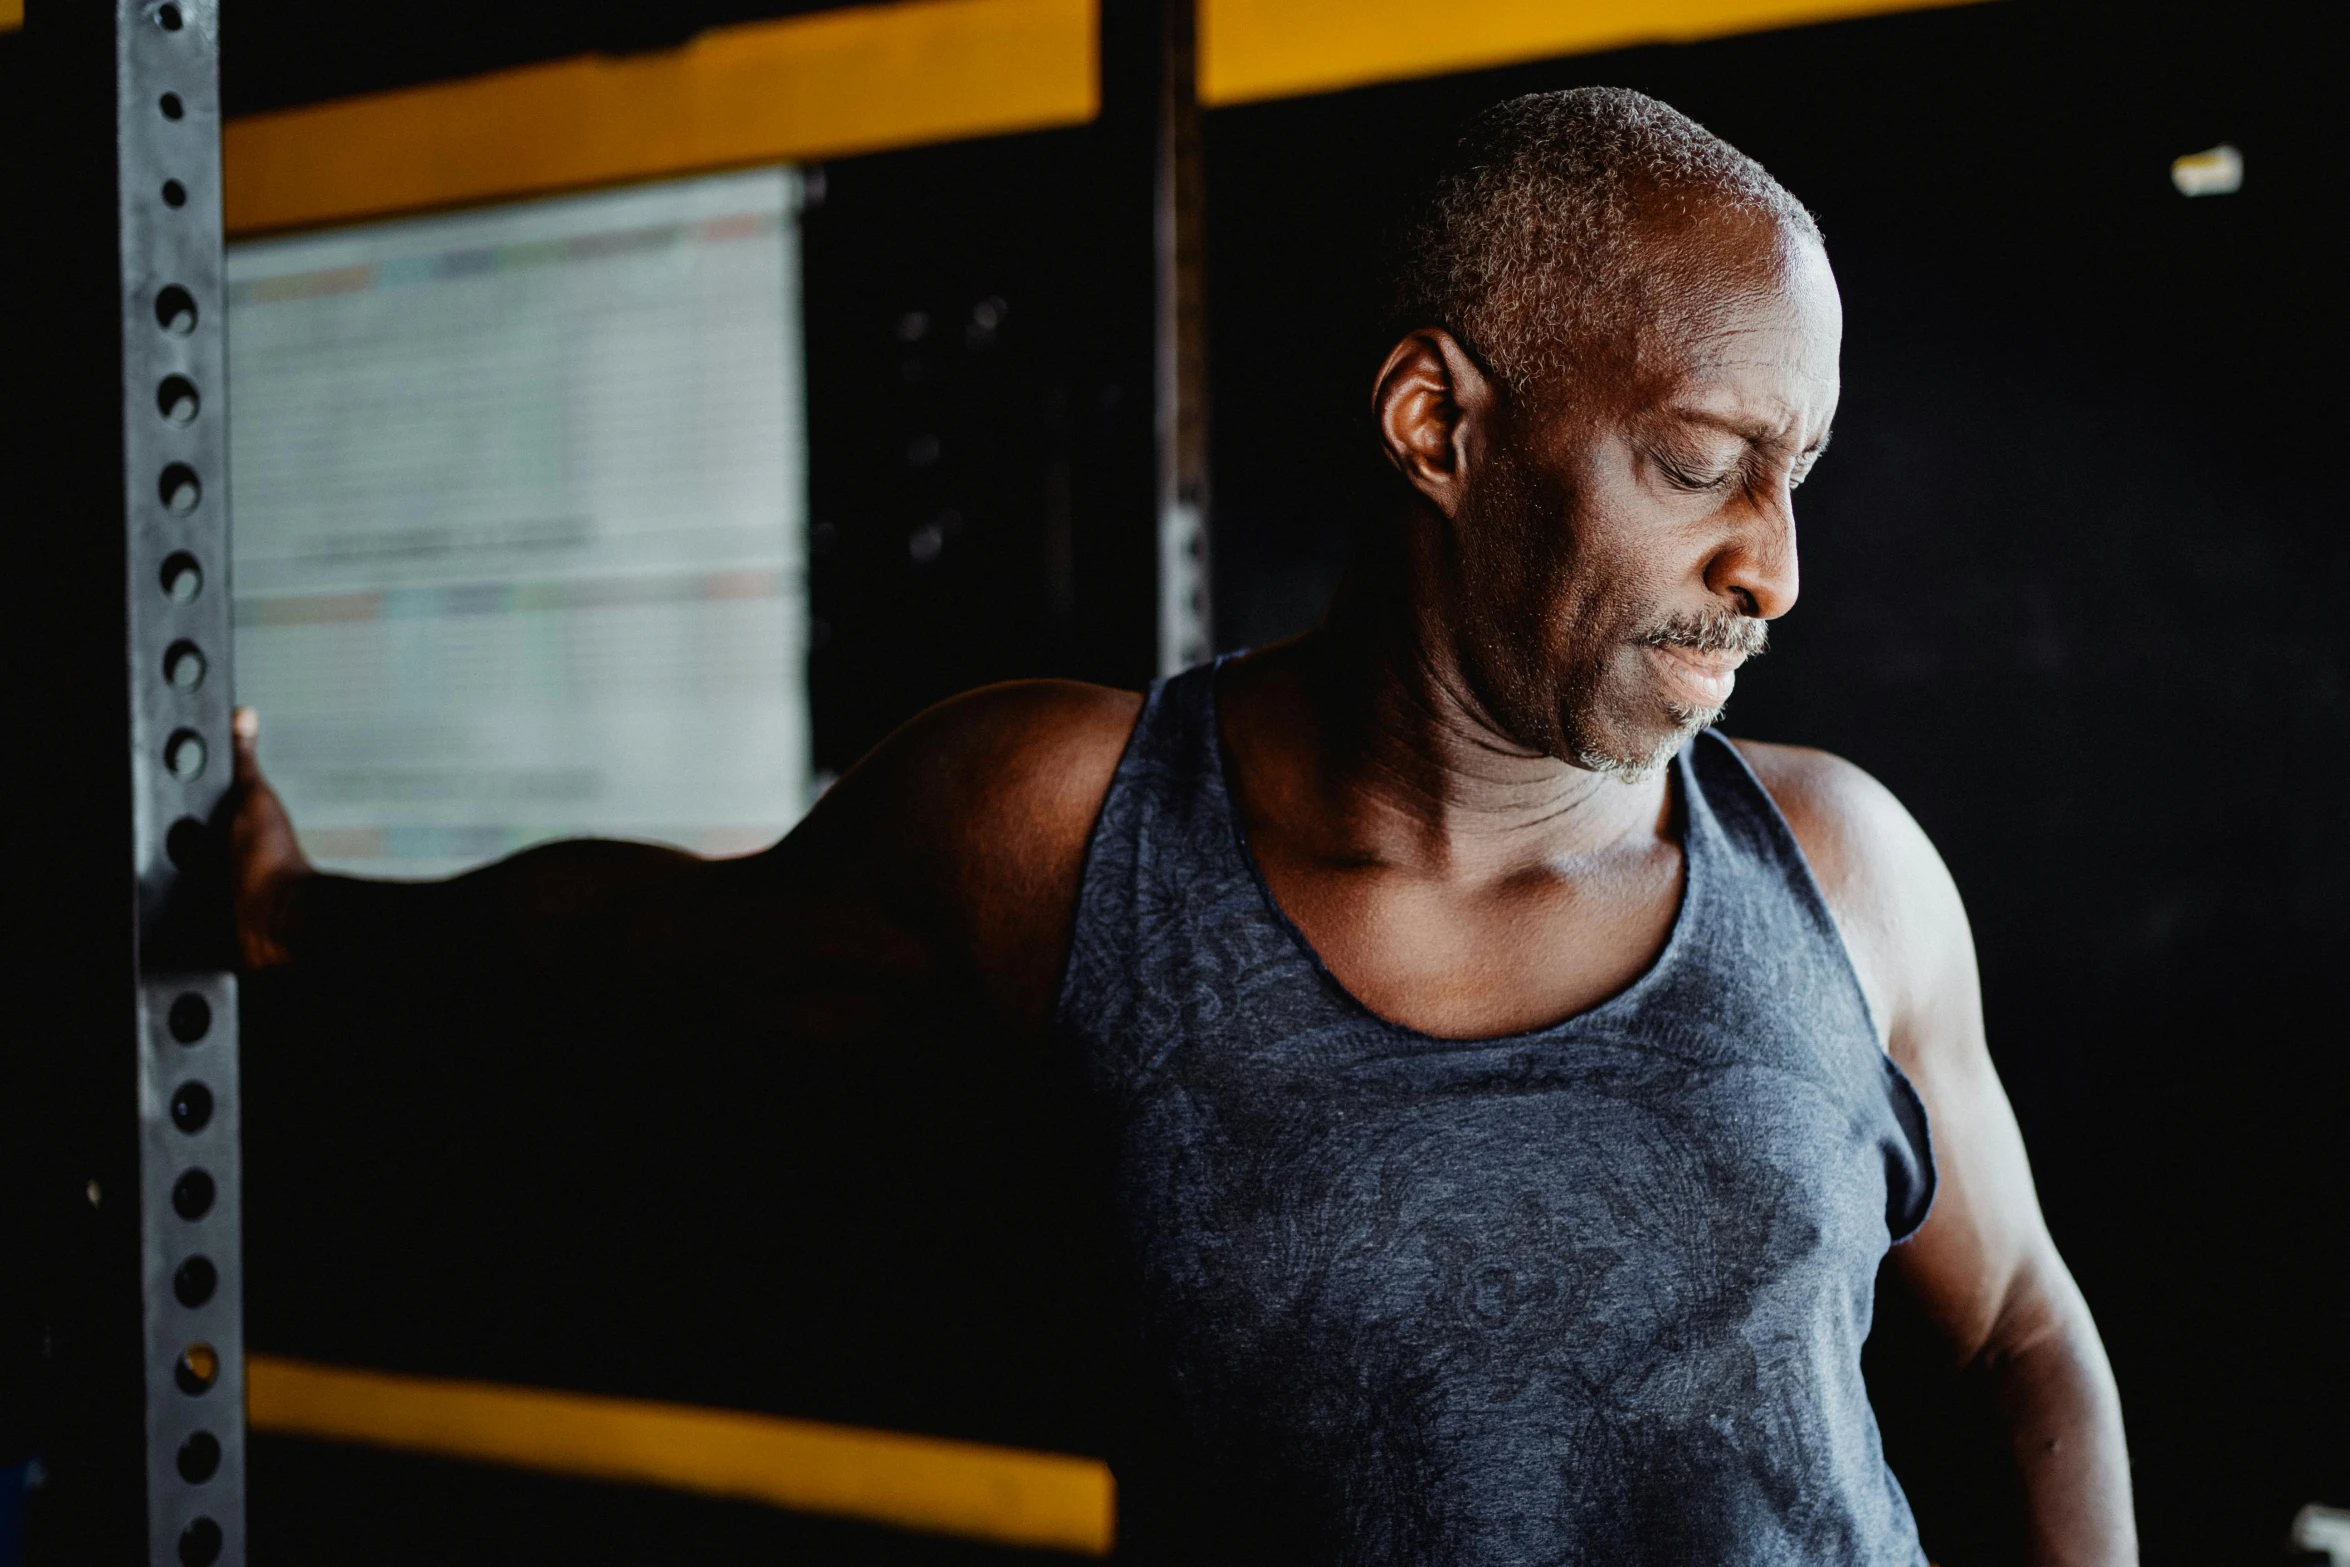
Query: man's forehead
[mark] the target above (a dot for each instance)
(1709, 260)
(1766, 399)
(1760, 361)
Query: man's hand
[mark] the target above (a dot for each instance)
(266, 862)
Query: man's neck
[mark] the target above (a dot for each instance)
(1363, 739)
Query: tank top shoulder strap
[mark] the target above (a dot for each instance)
(1168, 793)
(1726, 801)
(1161, 842)
(1767, 916)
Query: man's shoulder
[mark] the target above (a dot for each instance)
(1025, 746)
(967, 828)
(1839, 811)
(1893, 899)
(1008, 775)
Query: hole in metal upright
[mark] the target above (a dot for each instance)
(200, 1544)
(175, 310)
(197, 1369)
(190, 1018)
(179, 489)
(187, 846)
(193, 1282)
(191, 1108)
(182, 577)
(192, 1195)
(177, 401)
(199, 1458)
(184, 666)
(184, 755)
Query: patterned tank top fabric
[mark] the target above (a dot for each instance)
(1593, 1293)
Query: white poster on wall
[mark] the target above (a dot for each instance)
(520, 503)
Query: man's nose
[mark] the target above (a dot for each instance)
(1756, 565)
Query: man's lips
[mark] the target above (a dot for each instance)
(1703, 680)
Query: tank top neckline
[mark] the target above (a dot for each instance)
(1696, 873)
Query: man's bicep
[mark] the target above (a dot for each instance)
(1985, 1234)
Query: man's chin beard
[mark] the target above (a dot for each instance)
(1620, 764)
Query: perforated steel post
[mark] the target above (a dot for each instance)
(176, 558)
(1186, 611)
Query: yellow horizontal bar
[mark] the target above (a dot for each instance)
(812, 86)
(1256, 49)
(1003, 1494)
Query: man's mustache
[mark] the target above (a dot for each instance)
(1723, 632)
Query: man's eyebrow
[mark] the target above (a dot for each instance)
(1752, 433)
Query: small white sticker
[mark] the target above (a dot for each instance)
(2325, 1529)
(2216, 171)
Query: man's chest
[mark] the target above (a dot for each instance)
(1505, 1193)
(1552, 1267)
(1482, 957)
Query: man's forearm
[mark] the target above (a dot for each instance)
(561, 903)
(2051, 1381)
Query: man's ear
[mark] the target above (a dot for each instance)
(1434, 405)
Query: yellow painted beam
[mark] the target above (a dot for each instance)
(11, 15)
(1007, 1495)
(813, 86)
(1256, 49)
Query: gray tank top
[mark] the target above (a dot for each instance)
(1593, 1293)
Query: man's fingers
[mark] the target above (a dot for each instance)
(244, 727)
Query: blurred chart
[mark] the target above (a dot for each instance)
(519, 522)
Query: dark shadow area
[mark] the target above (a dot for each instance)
(580, 1180)
(978, 321)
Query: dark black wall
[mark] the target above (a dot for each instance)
(2070, 578)
(19, 1315)
(980, 428)
(71, 1387)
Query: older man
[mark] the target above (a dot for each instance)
(1508, 1088)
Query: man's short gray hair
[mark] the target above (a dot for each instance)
(1536, 246)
